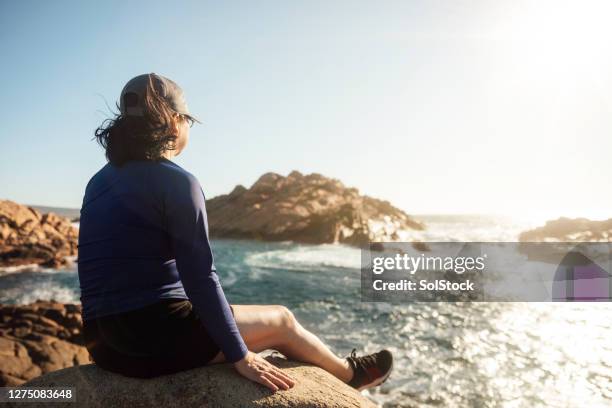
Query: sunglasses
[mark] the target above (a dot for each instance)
(189, 119)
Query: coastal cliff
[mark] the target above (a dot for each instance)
(29, 237)
(305, 208)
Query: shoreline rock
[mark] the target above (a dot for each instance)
(41, 346)
(308, 209)
(210, 386)
(29, 237)
(39, 338)
(570, 230)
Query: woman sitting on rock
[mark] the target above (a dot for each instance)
(152, 301)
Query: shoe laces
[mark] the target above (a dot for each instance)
(362, 362)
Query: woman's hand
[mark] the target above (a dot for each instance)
(257, 369)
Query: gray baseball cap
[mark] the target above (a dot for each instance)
(132, 95)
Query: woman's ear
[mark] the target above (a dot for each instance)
(176, 128)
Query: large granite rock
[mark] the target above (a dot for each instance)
(30, 237)
(211, 386)
(39, 338)
(306, 208)
(41, 346)
(570, 230)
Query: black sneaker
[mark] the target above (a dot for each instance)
(371, 370)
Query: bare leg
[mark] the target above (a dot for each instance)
(274, 327)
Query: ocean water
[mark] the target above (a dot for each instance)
(446, 354)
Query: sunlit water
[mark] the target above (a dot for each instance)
(447, 354)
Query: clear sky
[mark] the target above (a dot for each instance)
(438, 106)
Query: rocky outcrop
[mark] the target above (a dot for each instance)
(29, 237)
(306, 208)
(41, 346)
(570, 230)
(39, 338)
(211, 386)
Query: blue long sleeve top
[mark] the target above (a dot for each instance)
(143, 237)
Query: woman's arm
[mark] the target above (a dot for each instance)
(187, 225)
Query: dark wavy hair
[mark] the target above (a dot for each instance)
(146, 137)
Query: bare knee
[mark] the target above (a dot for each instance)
(286, 318)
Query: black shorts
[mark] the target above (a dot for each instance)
(159, 339)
